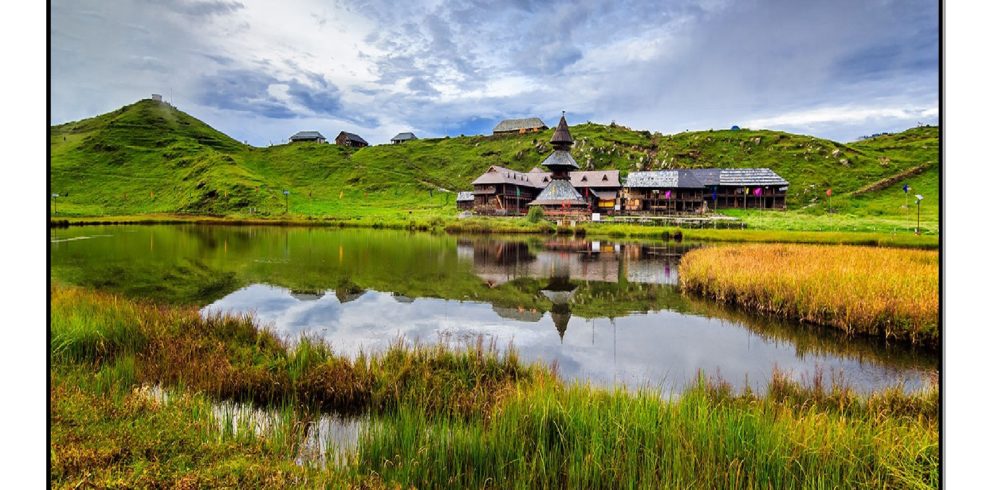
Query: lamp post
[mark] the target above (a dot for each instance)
(54, 205)
(286, 193)
(917, 230)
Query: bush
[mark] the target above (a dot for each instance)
(535, 214)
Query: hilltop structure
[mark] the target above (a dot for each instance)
(403, 137)
(313, 136)
(519, 126)
(560, 197)
(350, 139)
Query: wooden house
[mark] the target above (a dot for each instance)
(503, 191)
(307, 136)
(465, 201)
(350, 139)
(749, 188)
(519, 126)
(403, 137)
(663, 192)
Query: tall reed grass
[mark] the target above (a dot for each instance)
(875, 291)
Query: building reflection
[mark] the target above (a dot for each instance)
(565, 264)
(560, 291)
(500, 261)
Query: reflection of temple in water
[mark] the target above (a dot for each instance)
(566, 263)
(498, 262)
(560, 291)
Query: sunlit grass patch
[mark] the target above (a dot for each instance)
(875, 291)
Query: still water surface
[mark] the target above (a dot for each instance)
(606, 312)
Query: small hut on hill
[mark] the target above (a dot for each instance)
(519, 126)
(313, 136)
(350, 139)
(403, 137)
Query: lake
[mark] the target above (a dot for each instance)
(601, 311)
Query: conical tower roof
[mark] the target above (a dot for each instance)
(562, 135)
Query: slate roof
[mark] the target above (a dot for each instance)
(517, 124)
(750, 176)
(306, 136)
(682, 179)
(596, 178)
(560, 158)
(404, 137)
(558, 192)
(707, 176)
(465, 196)
(352, 137)
(580, 178)
(502, 175)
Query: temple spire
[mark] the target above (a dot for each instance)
(561, 139)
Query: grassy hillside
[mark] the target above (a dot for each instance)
(151, 158)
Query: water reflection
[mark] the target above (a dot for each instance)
(602, 310)
(656, 348)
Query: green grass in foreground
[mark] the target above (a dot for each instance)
(465, 418)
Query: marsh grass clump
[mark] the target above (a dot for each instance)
(891, 293)
(229, 357)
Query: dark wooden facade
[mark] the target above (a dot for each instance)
(744, 197)
(503, 199)
(655, 201)
(350, 139)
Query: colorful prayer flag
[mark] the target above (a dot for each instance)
(906, 188)
(829, 192)
(666, 195)
(758, 191)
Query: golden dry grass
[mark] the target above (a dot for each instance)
(861, 290)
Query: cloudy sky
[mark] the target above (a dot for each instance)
(260, 71)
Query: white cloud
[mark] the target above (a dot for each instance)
(435, 66)
(843, 115)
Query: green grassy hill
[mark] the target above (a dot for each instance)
(151, 158)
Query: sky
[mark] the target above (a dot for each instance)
(261, 71)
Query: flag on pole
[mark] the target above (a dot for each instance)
(758, 191)
(828, 192)
(906, 188)
(746, 190)
(666, 195)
